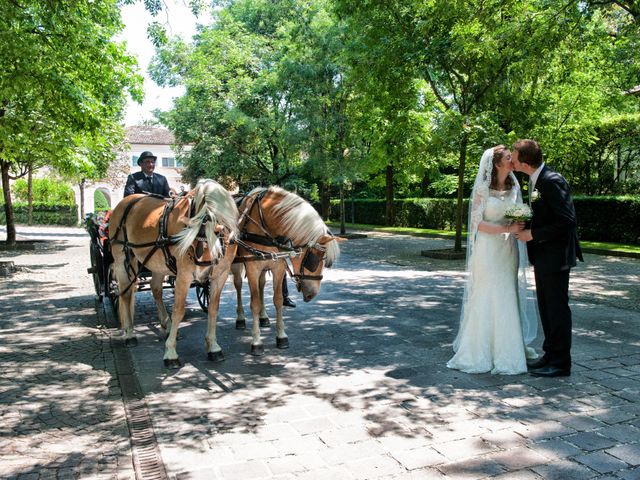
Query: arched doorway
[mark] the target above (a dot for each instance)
(100, 198)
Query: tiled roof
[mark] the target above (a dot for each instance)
(149, 135)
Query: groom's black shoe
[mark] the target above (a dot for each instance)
(538, 363)
(550, 371)
(287, 302)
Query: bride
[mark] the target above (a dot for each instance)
(499, 316)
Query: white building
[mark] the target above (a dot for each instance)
(139, 138)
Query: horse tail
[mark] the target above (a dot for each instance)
(214, 206)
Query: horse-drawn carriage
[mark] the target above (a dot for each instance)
(197, 239)
(101, 270)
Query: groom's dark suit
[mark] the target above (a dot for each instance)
(553, 252)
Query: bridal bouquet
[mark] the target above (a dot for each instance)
(518, 213)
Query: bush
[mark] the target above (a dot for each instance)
(100, 203)
(45, 191)
(608, 219)
(43, 214)
(600, 219)
(435, 213)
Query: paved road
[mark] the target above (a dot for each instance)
(362, 393)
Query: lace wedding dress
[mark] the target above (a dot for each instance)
(490, 338)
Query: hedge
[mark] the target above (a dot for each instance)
(600, 219)
(65, 215)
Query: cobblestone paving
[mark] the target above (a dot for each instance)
(61, 413)
(363, 392)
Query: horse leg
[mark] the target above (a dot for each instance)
(253, 277)
(241, 321)
(282, 340)
(216, 282)
(156, 290)
(127, 307)
(264, 317)
(182, 283)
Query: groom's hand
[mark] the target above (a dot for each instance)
(524, 236)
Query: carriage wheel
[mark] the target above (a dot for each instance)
(96, 269)
(111, 290)
(202, 292)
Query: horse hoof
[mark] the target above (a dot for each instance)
(215, 356)
(257, 350)
(241, 325)
(282, 342)
(172, 362)
(264, 322)
(131, 342)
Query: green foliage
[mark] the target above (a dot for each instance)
(603, 219)
(100, 203)
(44, 214)
(609, 219)
(435, 213)
(64, 84)
(300, 93)
(45, 191)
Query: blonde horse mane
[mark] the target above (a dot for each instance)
(212, 199)
(303, 224)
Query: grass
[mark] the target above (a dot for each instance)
(632, 250)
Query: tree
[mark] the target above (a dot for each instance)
(63, 87)
(468, 52)
(235, 112)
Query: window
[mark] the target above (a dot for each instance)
(179, 163)
(134, 160)
(168, 162)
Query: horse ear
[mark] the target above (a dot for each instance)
(183, 219)
(323, 240)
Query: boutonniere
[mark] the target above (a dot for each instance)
(535, 195)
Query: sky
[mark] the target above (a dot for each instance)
(178, 20)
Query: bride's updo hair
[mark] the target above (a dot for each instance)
(499, 153)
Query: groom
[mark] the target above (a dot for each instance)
(553, 247)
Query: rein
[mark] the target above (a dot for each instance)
(310, 260)
(164, 241)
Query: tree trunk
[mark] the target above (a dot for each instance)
(459, 213)
(325, 201)
(389, 213)
(343, 229)
(81, 186)
(8, 206)
(424, 185)
(30, 195)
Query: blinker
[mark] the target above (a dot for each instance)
(311, 261)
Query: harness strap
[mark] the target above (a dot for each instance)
(163, 242)
(127, 250)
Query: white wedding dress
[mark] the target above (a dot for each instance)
(490, 338)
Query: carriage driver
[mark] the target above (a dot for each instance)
(145, 181)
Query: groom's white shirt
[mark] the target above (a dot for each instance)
(533, 179)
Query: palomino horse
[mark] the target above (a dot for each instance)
(276, 226)
(189, 237)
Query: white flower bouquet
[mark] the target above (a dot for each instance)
(518, 213)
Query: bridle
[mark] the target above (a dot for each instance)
(164, 241)
(197, 251)
(312, 254)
